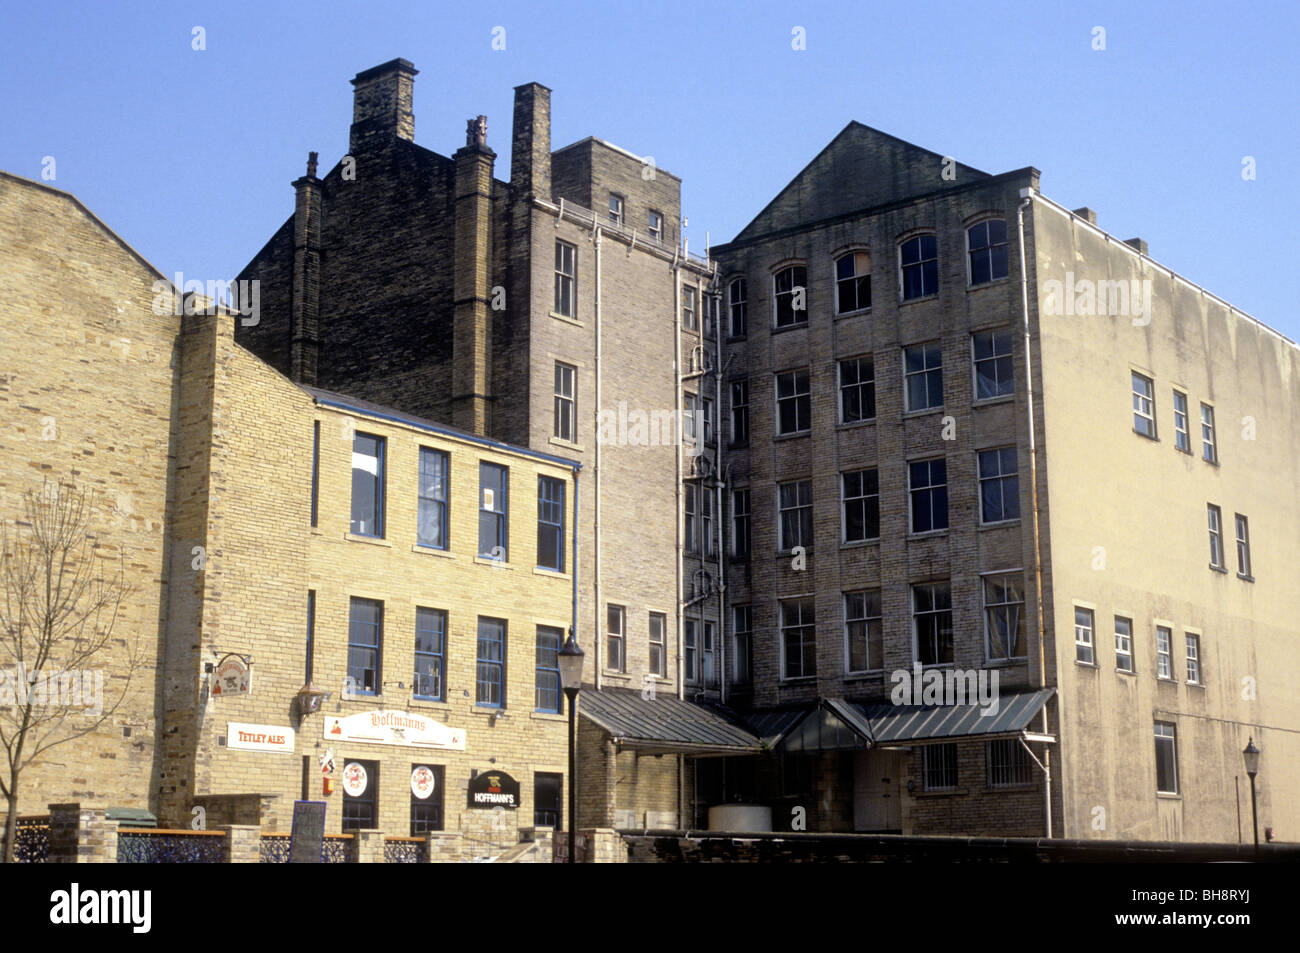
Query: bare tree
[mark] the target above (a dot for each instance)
(60, 602)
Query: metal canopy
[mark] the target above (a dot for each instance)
(665, 724)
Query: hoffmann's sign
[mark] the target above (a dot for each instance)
(388, 727)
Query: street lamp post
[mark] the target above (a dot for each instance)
(1251, 757)
(570, 662)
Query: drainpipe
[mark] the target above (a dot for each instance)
(1027, 196)
(719, 482)
(573, 630)
(677, 476)
(599, 628)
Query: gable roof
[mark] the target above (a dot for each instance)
(859, 168)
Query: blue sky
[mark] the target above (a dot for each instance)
(189, 154)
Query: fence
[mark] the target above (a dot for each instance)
(149, 846)
(32, 839)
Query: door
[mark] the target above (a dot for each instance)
(877, 790)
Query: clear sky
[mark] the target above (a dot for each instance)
(188, 154)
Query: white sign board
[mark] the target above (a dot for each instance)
(258, 737)
(389, 727)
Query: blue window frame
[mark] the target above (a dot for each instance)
(430, 654)
(365, 643)
(493, 532)
(548, 668)
(490, 684)
(431, 526)
(367, 485)
(550, 523)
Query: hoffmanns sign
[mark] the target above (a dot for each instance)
(493, 789)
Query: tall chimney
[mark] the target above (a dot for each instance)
(530, 147)
(381, 104)
(304, 311)
(471, 260)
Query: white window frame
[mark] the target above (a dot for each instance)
(1214, 520)
(920, 263)
(1126, 641)
(1164, 652)
(743, 304)
(996, 356)
(1090, 641)
(1005, 243)
(783, 628)
(796, 397)
(571, 278)
(795, 312)
(618, 637)
(1193, 659)
(656, 229)
(839, 373)
(1139, 399)
(566, 405)
(797, 509)
(1002, 479)
(985, 577)
(866, 621)
(1242, 532)
(836, 279)
(617, 212)
(690, 321)
(916, 615)
(1171, 733)
(844, 506)
(1209, 440)
(1182, 433)
(928, 488)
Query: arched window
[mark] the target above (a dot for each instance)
(987, 242)
(919, 263)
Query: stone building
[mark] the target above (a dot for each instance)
(894, 522)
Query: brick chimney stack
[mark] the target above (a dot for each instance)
(304, 309)
(471, 261)
(530, 150)
(381, 104)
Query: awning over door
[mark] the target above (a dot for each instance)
(666, 724)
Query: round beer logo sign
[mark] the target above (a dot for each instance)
(354, 779)
(422, 781)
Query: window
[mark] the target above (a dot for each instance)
(988, 251)
(939, 767)
(919, 260)
(1215, 518)
(1004, 616)
(740, 523)
(688, 309)
(311, 633)
(1008, 763)
(857, 390)
(692, 518)
(1166, 758)
(994, 370)
(689, 648)
(1208, 450)
(740, 413)
(690, 403)
(365, 639)
(566, 406)
(793, 403)
(315, 469)
(359, 809)
(549, 639)
(999, 485)
(1083, 636)
(426, 798)
(550, 523)
(1182, 438)
(548, 800)
(1123, 644)
(798, 638)
(616, 208)
(791, 286)
(430, 654)
(655, 222)
(566, 276)
(923, 376)
(738, 307)
(615, 658)
(658, 654)
(1243, 547)
(863, 631)
(367, 485)
(706, 522)
(1144, 413)
(742, 619)
(853, 282)
(712, 310)
(706, 414)
(490, 683)
(493, 533)
(794, 502)
(710, 654)
(431, 515)
(1193, 659)
(932, 623)
(1164, 652)
(861, 505)
(928, 493)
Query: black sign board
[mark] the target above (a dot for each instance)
(308, 838)
(493, 789)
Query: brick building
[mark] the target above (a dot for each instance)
(885, 524)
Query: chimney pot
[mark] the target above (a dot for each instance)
(311, 164)
(382, 104)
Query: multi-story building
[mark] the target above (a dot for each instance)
(964, 448)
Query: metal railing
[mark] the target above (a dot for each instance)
(149, 846)
(336, 849)
(32, 839)
(403, 850)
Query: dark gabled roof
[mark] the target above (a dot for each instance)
(859, 168)
(665, 723)
(919, 724)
